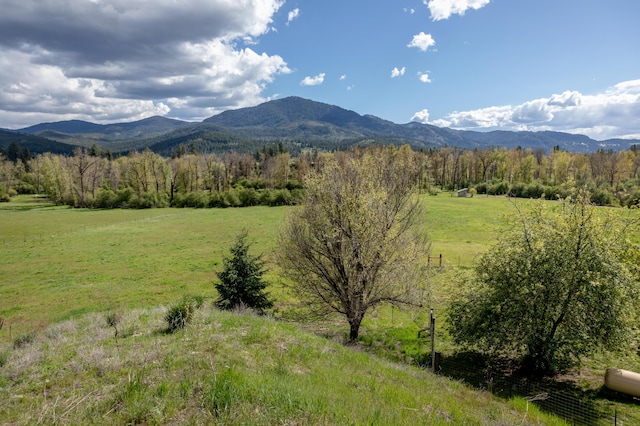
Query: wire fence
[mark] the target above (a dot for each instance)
(563, 399)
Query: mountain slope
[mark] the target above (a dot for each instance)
(36, 144)
(300, 123)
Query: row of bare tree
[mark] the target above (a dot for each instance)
(78, 179)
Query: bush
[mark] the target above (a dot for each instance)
(281, 197)
(231, 198)
(106, 199)
(602, 197)
(181, 314)
(500, 188)
(26, 189)
(248, 197)
(4, 358)
(481, 188)
(518, 190)
(24, 339)
(535, 190)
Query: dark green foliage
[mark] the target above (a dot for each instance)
(4, 357)
(241, 281)
(499, 188)
(602, 197)
(181, 314)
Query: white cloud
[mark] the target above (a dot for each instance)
(105, 61)
(293, 15)
(424, 77)
(343, 77)
(395, 72)
(421, 116)
(613, 113)
(409, 10)
(443, 9)
(422, 41)
(313, 81)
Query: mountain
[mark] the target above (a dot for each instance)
(69, 127)
(36, 144)
(82, 130)
(299, 123)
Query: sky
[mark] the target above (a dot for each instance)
(561, 65)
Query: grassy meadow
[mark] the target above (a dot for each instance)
(59, 263)
(63, 270)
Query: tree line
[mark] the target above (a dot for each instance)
(272, 176)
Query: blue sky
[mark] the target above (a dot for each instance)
(566, 65)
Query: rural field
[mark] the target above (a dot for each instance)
(59, 263)
(65, 270)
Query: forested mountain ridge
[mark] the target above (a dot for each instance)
(298, 123)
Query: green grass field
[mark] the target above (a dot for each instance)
(59, 263)
(65, 269)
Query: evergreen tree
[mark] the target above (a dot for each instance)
(241, 279)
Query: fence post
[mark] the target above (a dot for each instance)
(433, 341)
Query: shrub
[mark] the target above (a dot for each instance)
(281, 197)
(248, 197)
(26, 188)
(602, 197)
(181, 314)
(500, 188)
(24, 339)
(481, 188)
(216, 199)
(4, 358)
(231, 198)
(106, 199)
(535, 190)
(518, 190)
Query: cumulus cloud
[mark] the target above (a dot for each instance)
(443, 9)
(343, 77)
(395, 72)
(424, 77)
(421, 116)
(422, 41)
(293, 15)
(113, 59)
(313, 81)
(612, 113)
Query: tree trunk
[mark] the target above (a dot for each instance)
(354, 328)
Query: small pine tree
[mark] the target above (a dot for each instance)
(241, 279)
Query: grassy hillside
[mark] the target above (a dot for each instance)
(226, 368)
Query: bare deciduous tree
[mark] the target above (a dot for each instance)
(355, 244)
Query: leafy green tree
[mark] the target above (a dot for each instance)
(355, 244)
(557, 286)
(241, 282)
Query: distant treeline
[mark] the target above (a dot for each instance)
(271, 176)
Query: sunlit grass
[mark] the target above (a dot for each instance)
(226, 368)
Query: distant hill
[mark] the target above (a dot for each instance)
(77, 130)
(299, 123)
(36, 144)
